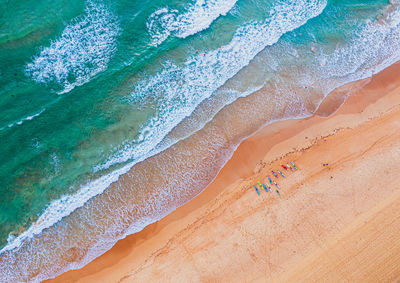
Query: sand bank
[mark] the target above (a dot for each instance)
(332, 223)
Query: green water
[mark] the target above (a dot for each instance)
(56, 152)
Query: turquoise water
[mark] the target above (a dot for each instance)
(90, 88)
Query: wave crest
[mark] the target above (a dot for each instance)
(82, 51)
(179, 90)
(197, 17)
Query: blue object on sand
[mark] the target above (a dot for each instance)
(279, 171)
(294, 165)
(265, 188)
(274, 174)
(270, 181)
(257, 190)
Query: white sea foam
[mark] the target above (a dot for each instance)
(65, 205)
(83, 50)
(179, 90)
(372, 49)
(182, 90)
(185, 88)
(28, 118)
(196, 17)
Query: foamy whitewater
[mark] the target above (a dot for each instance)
(196, 17)
(136, 140)
(83, 50)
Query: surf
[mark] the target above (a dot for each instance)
(238, 51)
(203, 83)
(166, 22)
(202, 74)
(83, 50)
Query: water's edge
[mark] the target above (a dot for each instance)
(230, 155)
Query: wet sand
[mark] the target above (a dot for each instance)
(339, 222)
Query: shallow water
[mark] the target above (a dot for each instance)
(157, 89)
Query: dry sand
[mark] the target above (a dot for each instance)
(334, 223)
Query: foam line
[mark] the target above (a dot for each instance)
(202, 76)
(178, 91)
(83, 50)
(389, 54)
(28, 118)
(198, 16)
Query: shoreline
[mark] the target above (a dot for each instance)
(247, 164)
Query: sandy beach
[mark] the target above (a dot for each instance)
(338, 222)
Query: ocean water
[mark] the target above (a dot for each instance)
(115, 113)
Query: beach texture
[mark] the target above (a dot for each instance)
(333, 223)
(117, 113)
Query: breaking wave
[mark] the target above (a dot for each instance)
(179, 90)
(197, 17)
(83, 50)
(183, 89)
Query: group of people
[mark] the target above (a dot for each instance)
(268, 188)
